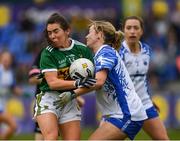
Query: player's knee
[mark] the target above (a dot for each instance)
(52, 135)
(160, 137)
(164, 136)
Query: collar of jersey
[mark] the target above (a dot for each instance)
(126, 46)
(68, 48)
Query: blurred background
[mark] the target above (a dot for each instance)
(21, 33)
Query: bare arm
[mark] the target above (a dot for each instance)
(100, 77)
(58, 84)
(80, 101)
(67, 96)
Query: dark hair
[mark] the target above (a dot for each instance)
(57, 18)
(131, 18)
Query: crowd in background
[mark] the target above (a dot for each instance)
(22, 24)
(22, 34)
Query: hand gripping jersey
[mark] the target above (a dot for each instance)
(137, 66)
(117, 98)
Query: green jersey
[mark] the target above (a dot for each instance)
(60, 59)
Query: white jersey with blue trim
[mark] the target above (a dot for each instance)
(137, 66)
(117, 98)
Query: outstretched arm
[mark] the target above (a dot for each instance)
(60, 84)
(65, 97)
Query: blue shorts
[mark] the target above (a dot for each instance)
(152, 112)
(129, 127)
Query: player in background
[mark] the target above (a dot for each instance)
(122, 110)
(7, 88)
(7, 119)
(136, 57)
(35, 78)
(55, 61)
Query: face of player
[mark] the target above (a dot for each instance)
(132, 31)
(57, 35)
(6, 60)
(92, 37)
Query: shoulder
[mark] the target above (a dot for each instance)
(107, 51)
(47, 52)
(81, 46)
(146, 48)
(48, 49)
(124, 47)
(123, 50)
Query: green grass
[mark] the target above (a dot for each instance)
(173, 135)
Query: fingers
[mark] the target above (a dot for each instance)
(82, 81)
(90, 82)
(78, 75)
(57, 104)
(75, 77)
(89, 72)
(64, 98)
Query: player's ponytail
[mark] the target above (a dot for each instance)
(119, 36)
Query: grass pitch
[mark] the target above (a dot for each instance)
(173, 135)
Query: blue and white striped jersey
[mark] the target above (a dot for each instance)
(137, 66)
(117, 98)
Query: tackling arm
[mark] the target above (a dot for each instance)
(66, 97)
(100, 77)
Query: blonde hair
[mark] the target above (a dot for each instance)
(111, 36)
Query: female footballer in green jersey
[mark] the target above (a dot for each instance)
(55, 61)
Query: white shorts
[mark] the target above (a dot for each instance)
(44, 104)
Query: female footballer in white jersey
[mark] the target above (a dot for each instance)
(136, 57)
(121, 108)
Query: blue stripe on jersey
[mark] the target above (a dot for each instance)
(107, 58)
(146, 49)
(125, 54)
(105, 63)
(122, 52)
(120, 93)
